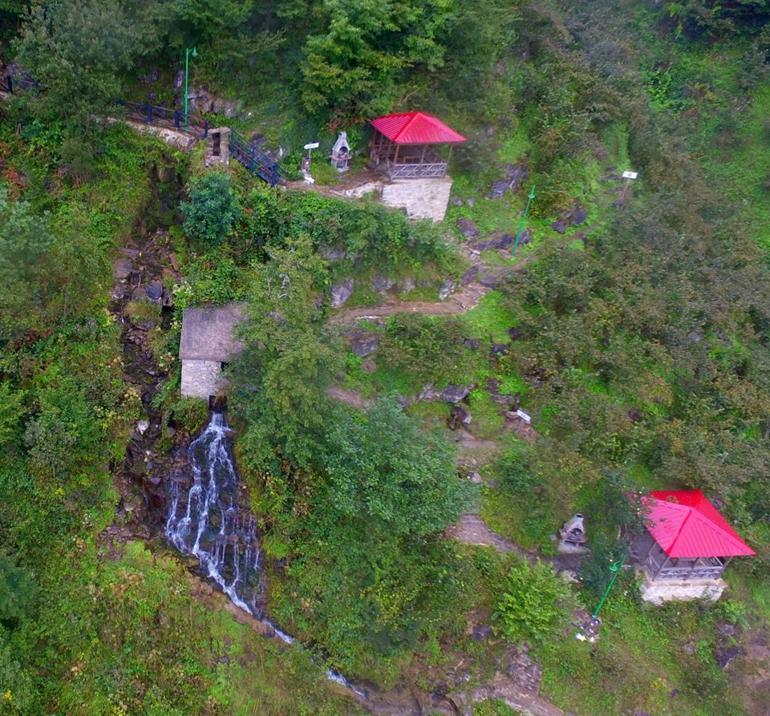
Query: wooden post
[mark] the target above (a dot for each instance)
(422, 156)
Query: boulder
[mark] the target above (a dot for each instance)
(459, 417)
(381, 284)
(333, 253)
(524, 670)
(408, 284)
(447, 288)
(467, 228)
(469, 276)
(455, 393)
(341, 292)
(514, 176)
(500, 241)
(122, 268)
(363, 343)
(428, 394)
(574, 217)
(154, 291)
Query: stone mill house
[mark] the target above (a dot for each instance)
(207, 345)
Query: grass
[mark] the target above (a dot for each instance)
(658, 660)
(519, 518)
(491, 319)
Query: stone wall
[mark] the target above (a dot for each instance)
(422, 198)
(201, 378)
(658, 592)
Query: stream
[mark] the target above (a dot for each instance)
(207, 520)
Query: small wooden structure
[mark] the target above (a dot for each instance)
(690, 544)
(207, 344)
(411, 145)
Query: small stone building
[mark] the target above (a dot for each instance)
(687, 547)
(208, 343)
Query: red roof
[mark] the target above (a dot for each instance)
(416, 128)
(685, 524)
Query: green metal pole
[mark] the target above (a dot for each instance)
(615, 569)
(194, 52)
(523, 220)
(186, 74)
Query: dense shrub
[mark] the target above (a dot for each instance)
(213, 209)
(532, 604)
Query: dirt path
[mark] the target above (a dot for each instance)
(349, 397)
(471, 529)
(459, 302)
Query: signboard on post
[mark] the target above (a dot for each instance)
(312, 145)
(630, 175)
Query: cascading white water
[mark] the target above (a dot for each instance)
(209, 523)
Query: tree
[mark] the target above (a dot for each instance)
(45, 275)
(17, 588)
(24, 244)
(279, 379)
(384, 470)
(353, 66)
(213, 209)
(78, 52)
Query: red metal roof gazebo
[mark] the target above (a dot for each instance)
(690, 538)
(685, 524)
(403, 145)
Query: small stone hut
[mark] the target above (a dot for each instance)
(687, 547)
(208, 343)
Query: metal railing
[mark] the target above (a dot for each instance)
(254, 159)
(9, 83)
(158, 115)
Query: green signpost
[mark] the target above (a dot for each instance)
(194, 52)
(530, 197)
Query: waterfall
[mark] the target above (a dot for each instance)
(209, 523)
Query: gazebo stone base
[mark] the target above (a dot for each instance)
(670, 590)
(422, 198)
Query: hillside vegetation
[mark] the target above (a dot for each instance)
(637, 339)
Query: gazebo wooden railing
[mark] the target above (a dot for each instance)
(415, 171)
(659, 565)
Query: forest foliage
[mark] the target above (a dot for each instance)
(643, 350)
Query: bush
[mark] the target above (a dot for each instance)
(532, 605)
(213, 209)
(190, 414)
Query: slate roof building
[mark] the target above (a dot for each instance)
(690, 544)
(207, 344)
